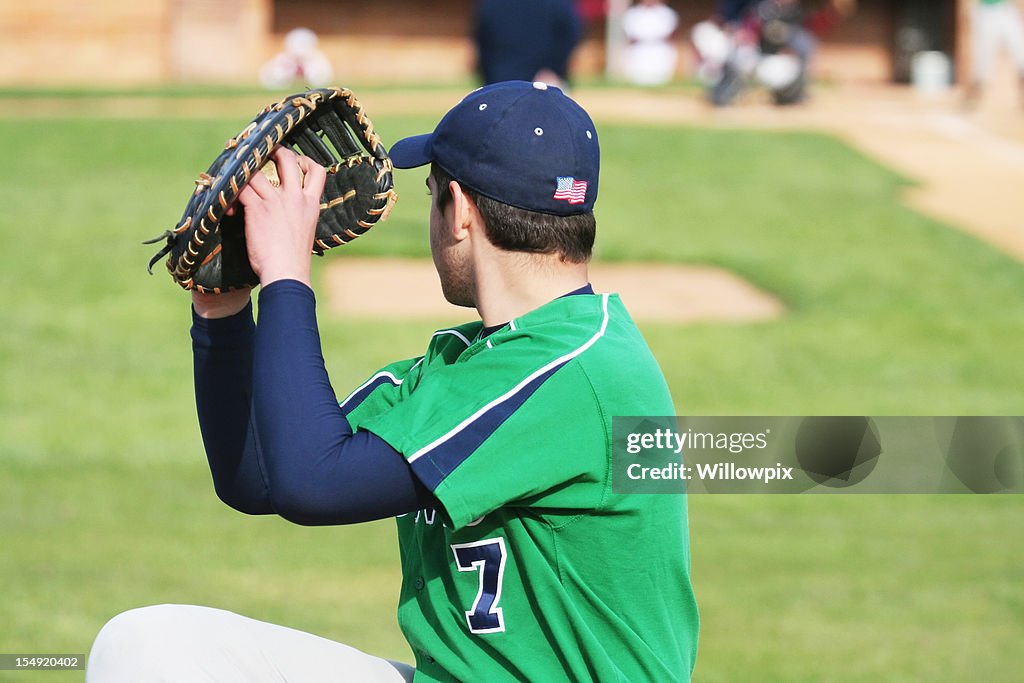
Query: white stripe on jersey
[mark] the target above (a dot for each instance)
(394, 380)
(454, 333)
(383, 373)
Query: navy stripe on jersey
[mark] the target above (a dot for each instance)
(433, 468)
(437, 460)
(363, 392)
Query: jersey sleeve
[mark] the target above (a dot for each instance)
(508, 427)
(380, 392)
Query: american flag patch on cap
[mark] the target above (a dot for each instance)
(572, 190)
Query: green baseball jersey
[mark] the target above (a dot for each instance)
(533, 568)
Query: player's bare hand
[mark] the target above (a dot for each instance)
(280, 221)
(220, 305)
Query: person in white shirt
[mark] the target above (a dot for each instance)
(650, 26)
(300, 63)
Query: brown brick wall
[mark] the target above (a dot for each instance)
(213, 41)
(76, 42)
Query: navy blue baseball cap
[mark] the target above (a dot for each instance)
(520, 143)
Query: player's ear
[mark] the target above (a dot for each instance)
(465, 215)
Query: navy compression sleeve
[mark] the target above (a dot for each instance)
(298, 457)
(222, 367)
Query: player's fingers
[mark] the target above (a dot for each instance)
(260, 185)
(287, 168)
(305, 164)
(249, 197)
(315, 177)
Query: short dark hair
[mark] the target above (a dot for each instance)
(514, 229)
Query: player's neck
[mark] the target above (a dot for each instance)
(515, 284)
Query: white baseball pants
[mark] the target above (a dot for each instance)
(187, 643)
(994, 26)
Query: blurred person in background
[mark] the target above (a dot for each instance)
(993, 24)
(300, 63)
(765, 42)
(784, 22)
(526, 40)
(650, 26)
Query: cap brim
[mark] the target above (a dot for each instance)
(412, 152)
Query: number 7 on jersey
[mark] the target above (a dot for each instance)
(488, 558)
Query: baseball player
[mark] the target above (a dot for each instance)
(492, 449)
(994, 23)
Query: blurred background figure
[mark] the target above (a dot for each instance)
(769, 43)
(650, 27)
(763, 42)
(301, 63)
(994, 23)
(526, 40)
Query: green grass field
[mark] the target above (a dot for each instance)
(105, 502)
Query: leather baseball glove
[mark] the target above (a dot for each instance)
(206, 251)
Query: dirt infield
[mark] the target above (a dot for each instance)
(650, 292)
